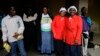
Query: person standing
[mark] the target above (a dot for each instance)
(58, 30)
(73, 32)
(12, 29)
(29, 19)
(46, 35)
(86, 29)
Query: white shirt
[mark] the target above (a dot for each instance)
(46, 22)
(30, 18)
(10, 25)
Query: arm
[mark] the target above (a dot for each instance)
(25, 18)
(4, 31)
(35, 17)
(21, 27)
(79, 30)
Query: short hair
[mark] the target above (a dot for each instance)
(10, 7)
(82, 9)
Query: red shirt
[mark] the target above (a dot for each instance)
(73, 30)
(58, 27)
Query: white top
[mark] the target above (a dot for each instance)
(46, 22)
(30, 18)
(10, 25)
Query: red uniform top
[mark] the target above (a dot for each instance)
(73, 30)
(58, 27)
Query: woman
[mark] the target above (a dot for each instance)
(58, 30)
(30, 28)
(73, 30)
(46, 39)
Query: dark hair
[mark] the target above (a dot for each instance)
(82, 9)
(45, 6)
(29, 12)
(10, 7)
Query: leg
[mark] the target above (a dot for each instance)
(21, 47)
(13, 48)
(43, 40)
(58, 47)
(72, 51)
(79, 50)
(48, 42)
(86, 46)
(66, 50)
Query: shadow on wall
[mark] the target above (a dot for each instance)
(95, 27)
(94, 10)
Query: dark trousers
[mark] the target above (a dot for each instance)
(58, 44)
(74, 50)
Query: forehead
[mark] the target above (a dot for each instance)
(63, 11)
(12, 8)
(45, 8)
(72, 9)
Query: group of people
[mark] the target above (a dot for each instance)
(61, 34)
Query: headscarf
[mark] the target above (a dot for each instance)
(62, 9)
(71, 8)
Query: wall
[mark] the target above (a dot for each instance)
(94, 10)
(83, 3)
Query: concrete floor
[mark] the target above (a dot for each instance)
(92, 52)
(95, 52)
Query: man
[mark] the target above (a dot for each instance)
(12, 28)
(58, 30)
(87, 23)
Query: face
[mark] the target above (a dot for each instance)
(72, 11)
(12, 11)
(45, 10)
(62, 13)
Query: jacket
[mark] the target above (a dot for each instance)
(58, 27)
(73, 30)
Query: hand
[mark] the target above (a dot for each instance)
(16, 35)
(76, 42)
(5, 42)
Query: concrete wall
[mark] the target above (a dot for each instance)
(94, 10)
(83, 3)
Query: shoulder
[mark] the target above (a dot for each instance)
(18, 17)
(57, 16)
(78, 18)
(6, 17)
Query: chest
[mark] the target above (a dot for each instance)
(12, 22)
(72, 23)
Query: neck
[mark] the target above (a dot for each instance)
(45, 13)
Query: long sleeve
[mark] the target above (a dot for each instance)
(21, 26)
(35, 16)
(4, 31)
(79, 29)
(31, 18)
(24, 17)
